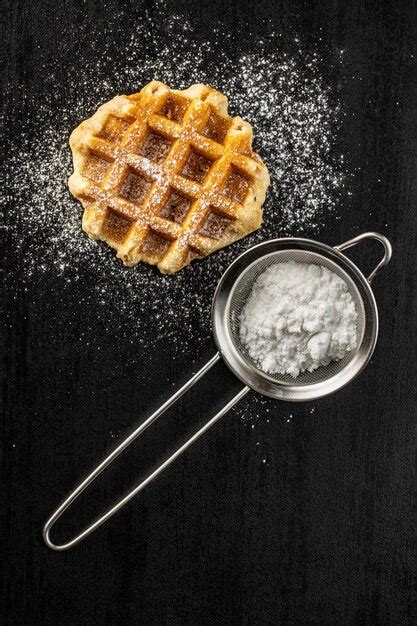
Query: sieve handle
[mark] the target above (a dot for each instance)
(121, 447)
(371, 235)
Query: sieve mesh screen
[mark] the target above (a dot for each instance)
(240, 294)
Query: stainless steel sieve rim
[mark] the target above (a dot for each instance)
(219, 301)
(252, 376)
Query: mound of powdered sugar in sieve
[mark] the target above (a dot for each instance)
(298, 317)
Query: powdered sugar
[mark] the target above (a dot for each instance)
(298, 317)
(282, 96)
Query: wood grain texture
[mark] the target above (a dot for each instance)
(324, 531)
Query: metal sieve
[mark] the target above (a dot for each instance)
(230, 296)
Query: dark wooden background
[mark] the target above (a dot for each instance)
(323, 532)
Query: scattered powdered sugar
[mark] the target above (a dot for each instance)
(298, 317)
(281, 95)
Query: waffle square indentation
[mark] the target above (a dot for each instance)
(95, 167)
(114, 129)
(214, 225)
(135, 188)
(175, 108)
(155, 148)
(176, 207)
(216, 127)
(154, 246)
(196, 167)
(237, 186)
(116, 226)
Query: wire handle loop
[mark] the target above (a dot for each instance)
(120, 448)
(371, 235)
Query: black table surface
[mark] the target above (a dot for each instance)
(292, 514)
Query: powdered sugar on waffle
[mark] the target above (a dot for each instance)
(293, 116)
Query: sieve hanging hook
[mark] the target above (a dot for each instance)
(371, 235)
(228, 299)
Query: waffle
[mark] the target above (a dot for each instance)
(167, 176)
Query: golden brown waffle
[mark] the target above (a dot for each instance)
(166, 176)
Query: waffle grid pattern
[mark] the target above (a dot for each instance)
(167, 176)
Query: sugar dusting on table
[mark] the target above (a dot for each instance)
(294, 119)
